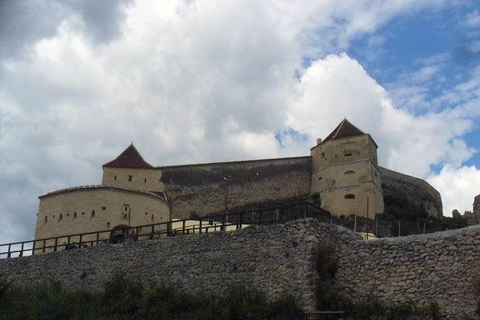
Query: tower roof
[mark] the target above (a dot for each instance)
(129, 158)
(343, 130)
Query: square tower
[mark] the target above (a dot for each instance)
(345, 172)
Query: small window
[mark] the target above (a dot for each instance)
(45, 220)
(348, 154)
(60, 217)
(68, 214)
(129, 178)
(320, 178)
(93, 214)
(104, 208)
(108, 225)
(349, 196)
(323, 155)
(74, 215)
(146, 213)
(349, 172)
(83, 213)
(152, 217)
(115, 178)
(145, 180)
(53, 216)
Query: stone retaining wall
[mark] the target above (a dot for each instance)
(280, 259)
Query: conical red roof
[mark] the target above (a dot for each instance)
(130, 158)
(343, 130)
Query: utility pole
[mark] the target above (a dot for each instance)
(368, 224)
(226, 195)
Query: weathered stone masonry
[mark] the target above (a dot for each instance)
(437, 267)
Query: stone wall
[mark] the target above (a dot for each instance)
(398, 187)
(438, 267)
(200, 189)
(275, 259)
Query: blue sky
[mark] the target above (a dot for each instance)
(219, 80)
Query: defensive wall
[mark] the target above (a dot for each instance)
(74, 210)
(200, 188)
(207, 188)
(397, 186)
(438, 267)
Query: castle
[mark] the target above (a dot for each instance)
(342, 171)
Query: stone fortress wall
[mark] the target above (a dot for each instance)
(396, 185)
(208, 188)
(439, 267)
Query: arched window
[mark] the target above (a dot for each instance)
(349, 196)
(349, 172)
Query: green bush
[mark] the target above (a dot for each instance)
(122, 298)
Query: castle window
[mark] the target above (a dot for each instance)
(75, 215)
(108, 225)
(46, 220)
(83, 213)
(145, 180)
(349, 196)
(320, 178)
(115, 178)
(104, 208)
(152, 217)
(60, 217)
(146, 213)
(93, 214)
(323, 155)
(349, 172)
(129, 178)
(348, 154)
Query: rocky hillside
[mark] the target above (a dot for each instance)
(400, 188)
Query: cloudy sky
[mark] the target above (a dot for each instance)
(195, 81)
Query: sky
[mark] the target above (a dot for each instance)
(204, 81)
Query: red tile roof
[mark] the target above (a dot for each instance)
(343, 130)
(130, 158)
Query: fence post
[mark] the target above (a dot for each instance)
(21, 251)
(9, 253)
(55, 246)
(33, 248)
(98, 237)
(200, 229)
(241, 219)
(44, 244)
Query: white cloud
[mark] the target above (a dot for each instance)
(338, 86)
(458, 187)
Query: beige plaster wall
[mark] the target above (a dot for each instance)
(346, 176)
(335, 151)
(96, 208)
(138, 179)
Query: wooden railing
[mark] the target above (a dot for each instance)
(210, 223)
